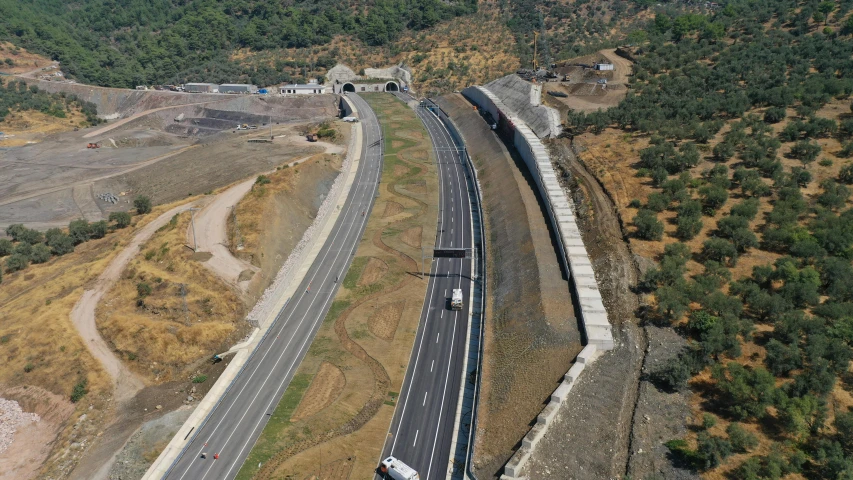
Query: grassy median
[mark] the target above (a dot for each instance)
(334, 416)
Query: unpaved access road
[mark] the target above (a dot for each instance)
(127, 383)
(208, 233)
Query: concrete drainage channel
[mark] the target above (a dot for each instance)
(597, 328)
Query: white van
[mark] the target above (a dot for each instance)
(393, 468)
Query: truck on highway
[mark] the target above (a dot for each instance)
(456, 299)
(395, 469)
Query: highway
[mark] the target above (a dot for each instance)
(422, 428)
(235, 424)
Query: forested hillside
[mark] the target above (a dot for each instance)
(18, 97)
(746, 113)
(136, 42)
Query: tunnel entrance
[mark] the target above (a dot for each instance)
(392, 87)
(348, 87)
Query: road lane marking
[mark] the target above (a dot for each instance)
(416, 438)
(431, 365)
(281, 328)
(443, 396)
(437, 337)
(425, 395)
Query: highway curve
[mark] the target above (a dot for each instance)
(421, 431)
(234, 425)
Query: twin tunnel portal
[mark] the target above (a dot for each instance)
(350, 87)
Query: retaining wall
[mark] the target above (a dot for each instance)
(597, 328)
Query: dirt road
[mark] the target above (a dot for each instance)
(211, 236)
(127, 384)
(622, 66)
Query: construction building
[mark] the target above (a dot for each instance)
(201, 88)
(237, 88)
(304, 89)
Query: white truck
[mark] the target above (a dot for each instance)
(456, 299)
(397, 470)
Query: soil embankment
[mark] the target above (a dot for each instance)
(531, 334)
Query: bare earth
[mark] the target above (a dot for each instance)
(208, 234)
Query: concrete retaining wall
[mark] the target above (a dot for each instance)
(597, 328)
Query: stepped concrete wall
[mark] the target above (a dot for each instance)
(597, 328)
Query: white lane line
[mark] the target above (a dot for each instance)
(443, 397)
(439, 237)
(425, 395)
(284, 378)
(442, 313)
(416, 438)
(431, 365)
(437, 337)
(280, 329)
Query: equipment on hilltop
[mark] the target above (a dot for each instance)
(93, 145)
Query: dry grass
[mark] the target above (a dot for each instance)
(188, 316)
(367, 334)
(36, 329)
(23, 61)
(324, 389)
(27, 127)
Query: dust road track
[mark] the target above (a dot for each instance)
(127, 383)
(235, 423)
(212, 236)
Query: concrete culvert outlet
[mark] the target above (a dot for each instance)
(348, 87)
(392, 87)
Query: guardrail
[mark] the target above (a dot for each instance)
(480, 248)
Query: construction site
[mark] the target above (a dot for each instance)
(238, 182)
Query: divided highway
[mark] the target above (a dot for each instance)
(422, 429)
(235, 424)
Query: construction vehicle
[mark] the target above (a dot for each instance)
(311, 137)
(397, 470)
(456, 299)
(243, 127)
(93, 145)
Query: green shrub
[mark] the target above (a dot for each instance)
(29, 367)
(142, 204)
(60, 244)
(6, 247)
(79, 391)
(122, 219)
(648, 225)
(40, 253)
(262, 180)
(742, 441)
(143, 289)
(200, 379)
(17, 262)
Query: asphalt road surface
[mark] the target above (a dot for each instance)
(421, 431)
(235, 424)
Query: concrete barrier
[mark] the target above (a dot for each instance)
(560, 213)
(574, 258)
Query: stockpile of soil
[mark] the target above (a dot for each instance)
(531, 334)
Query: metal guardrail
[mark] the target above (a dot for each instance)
(475, 181)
